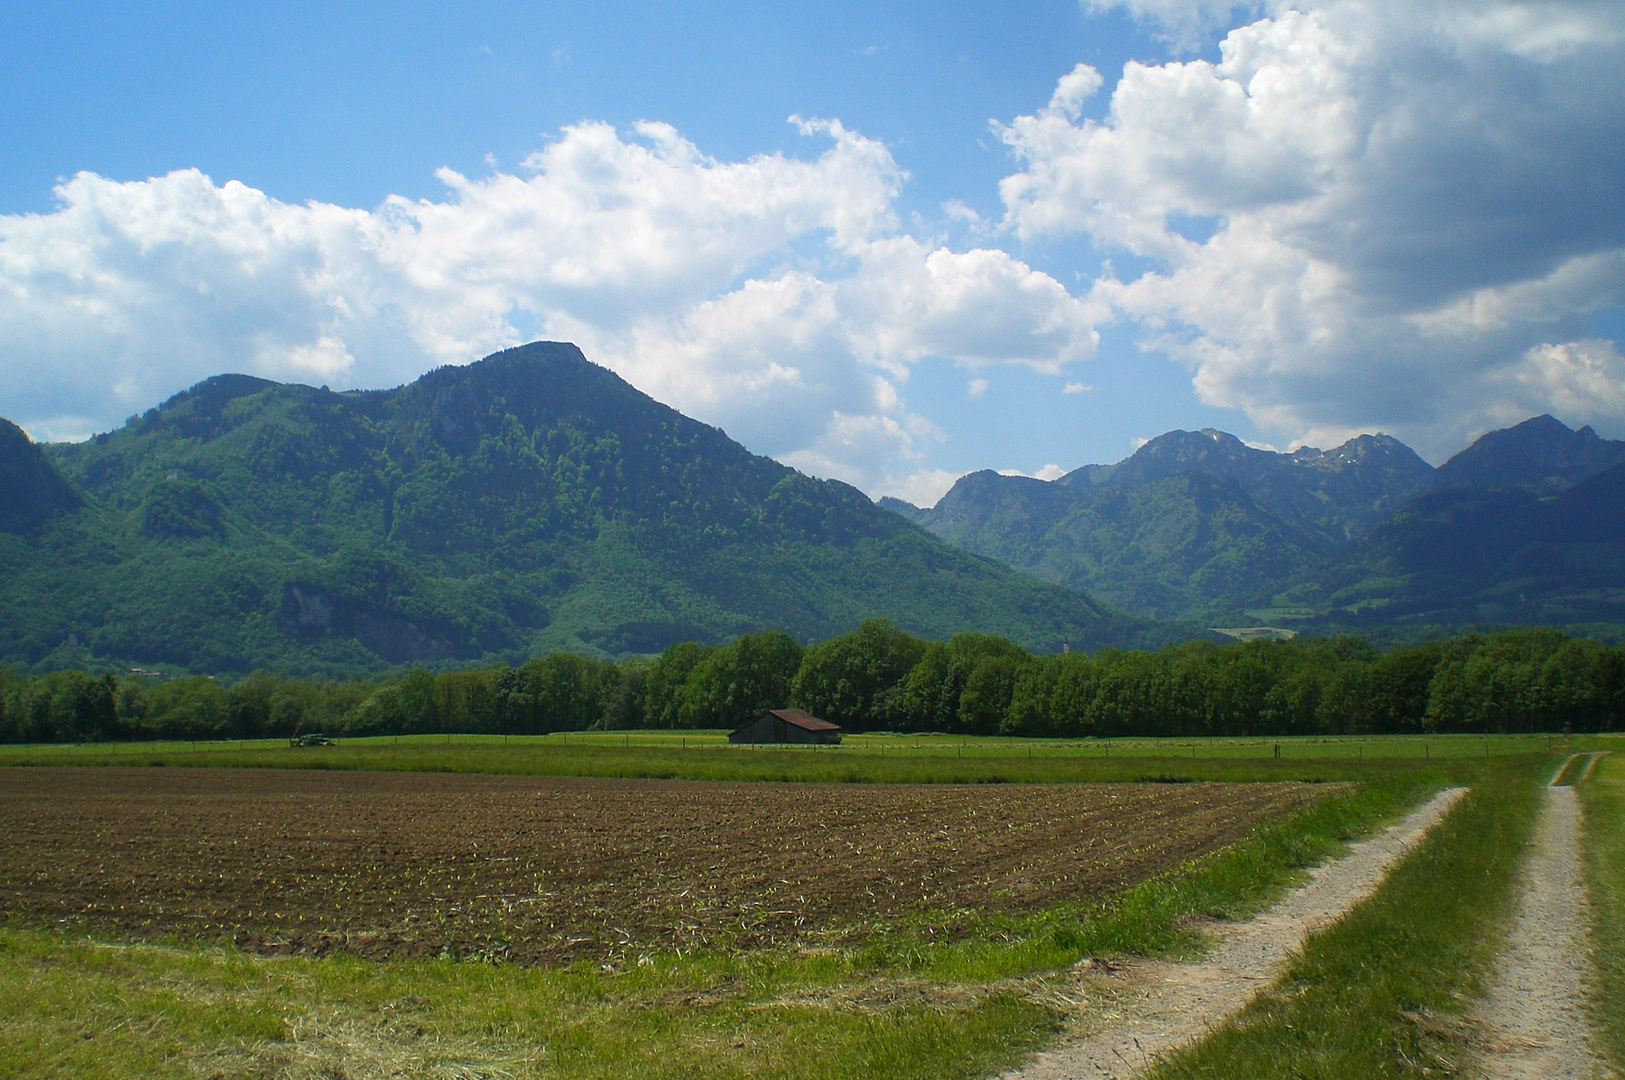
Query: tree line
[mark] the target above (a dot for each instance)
(881, 678)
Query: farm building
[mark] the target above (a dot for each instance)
(787, 726)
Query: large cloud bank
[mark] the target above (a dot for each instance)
(1365, 215)
(776, 296)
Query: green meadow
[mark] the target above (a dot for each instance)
(862, 758)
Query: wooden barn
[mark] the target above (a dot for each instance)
(787, 726)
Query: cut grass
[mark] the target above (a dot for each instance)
(939, 995)
(1381, 993)
(81, 1010)
(1602, 796)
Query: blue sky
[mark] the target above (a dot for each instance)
(996, 259)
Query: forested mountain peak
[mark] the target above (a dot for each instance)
(1541, 454)
(1365, 534)
(527, 502)
(1342, 491)
(901, 506)
(31, 491)
(1176, 452)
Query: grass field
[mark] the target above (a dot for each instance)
(960, 991)
(1603, 797)
(869, 758)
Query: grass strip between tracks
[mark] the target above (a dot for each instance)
(1382, 993)
(907, 1004)
(1603, 847)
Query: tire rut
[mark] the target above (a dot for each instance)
(1534, 1016)
(1162, 1007)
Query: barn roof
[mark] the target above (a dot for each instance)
(804, 720)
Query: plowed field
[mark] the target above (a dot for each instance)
(543, 869)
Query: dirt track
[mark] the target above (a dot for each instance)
(1535, 1011)
(1165, 1006)
(543, 869)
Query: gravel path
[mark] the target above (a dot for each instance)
(1535, 1011)
(1157, 1007)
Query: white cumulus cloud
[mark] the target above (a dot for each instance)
(775, 296)
(1364, 215)
(1045, 472)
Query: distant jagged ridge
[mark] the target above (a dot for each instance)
(1365, 536)
(1194, 524)
(1541, 454)
(1342, 492)
(529, 502)
(1527, 525)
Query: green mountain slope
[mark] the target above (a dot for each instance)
(529, 502)
(31, 492)
(1195, 524)
(1190, 545)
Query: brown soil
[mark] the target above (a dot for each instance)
(546, 869)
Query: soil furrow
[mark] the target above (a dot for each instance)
(540, 869)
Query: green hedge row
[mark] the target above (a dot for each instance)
(878, 677)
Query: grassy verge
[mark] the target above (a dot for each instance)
(1603, 797)
(937, 996)
(1150, 918)
(1380, 994)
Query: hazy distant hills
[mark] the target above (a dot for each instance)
(1541, 455)
(528, 502)
(1525, 525)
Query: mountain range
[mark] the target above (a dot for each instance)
(1524, 525)
(529, 502)
(534, 501)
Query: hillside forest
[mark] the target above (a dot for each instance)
(529, 503)
(881, 678)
